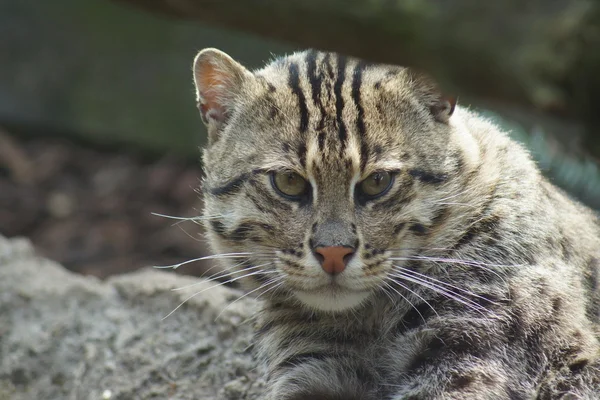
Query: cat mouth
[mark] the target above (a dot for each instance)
(331, 297)
(331, 287)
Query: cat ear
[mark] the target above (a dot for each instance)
(219, 81)
(440, 106)
(443, 108)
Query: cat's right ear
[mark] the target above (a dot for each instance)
(219, 82)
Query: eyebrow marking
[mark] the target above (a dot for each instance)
(427, 176)
(231, 187)
(234, 185)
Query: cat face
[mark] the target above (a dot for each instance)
(320, 170)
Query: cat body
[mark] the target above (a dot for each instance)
(404, 247)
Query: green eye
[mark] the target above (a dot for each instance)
(289, 184)
(376, 184)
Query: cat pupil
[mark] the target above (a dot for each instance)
(292, 181)
(289, 183)
(376, 184)
(377, 178)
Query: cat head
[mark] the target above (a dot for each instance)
(321, 170)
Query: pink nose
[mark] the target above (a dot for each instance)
(333, 259)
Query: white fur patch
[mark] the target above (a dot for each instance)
(332, 300)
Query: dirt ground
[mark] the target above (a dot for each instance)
(91, 210)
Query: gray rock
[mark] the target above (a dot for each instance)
(66, 336)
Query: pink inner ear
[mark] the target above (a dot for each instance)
(211, 83)
(214, 113)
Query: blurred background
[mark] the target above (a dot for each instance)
(99, 129)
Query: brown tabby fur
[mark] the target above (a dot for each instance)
(473, 278)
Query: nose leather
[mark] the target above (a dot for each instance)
(334, 258)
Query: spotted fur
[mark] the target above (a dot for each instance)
(473, 278)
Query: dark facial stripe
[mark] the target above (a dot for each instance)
(419, 229)
(260, 205)
(294, 82)
(339, 100)
(428, 177)
(399, 228)
(218, 228)
(321, 139)
(249, 230)
(267, 199)
(360, 119)
(302, 154)
(231, 187)
(315, 81)
(398, 200)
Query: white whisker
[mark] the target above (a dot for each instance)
(178, 224)
(481, 265)
(410, 271)
(194, 218)
(212, 287)
(211, 257)
(404, 297)
(264, 285)
(389, 296)
(456, 297)
(416, 294)
(219, 275)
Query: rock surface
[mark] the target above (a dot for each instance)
(66, 336)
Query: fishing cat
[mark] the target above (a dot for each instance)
(404, 247)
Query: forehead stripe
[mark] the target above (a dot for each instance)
(294, 82)
(339, 100)
(356, 86)
(360, 119)
(315, 81)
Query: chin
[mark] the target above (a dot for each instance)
(332, 301)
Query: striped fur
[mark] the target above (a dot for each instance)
(474, 277)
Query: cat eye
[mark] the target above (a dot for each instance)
(375, 185)
(289, 184)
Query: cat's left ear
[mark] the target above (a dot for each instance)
(219, 81)
(441, 106)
